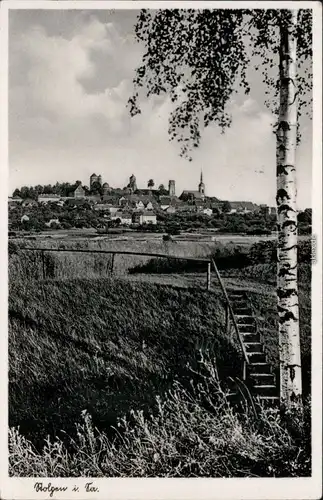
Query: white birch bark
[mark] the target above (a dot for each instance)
(287, 289)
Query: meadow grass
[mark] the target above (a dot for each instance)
(104, 346)
(109, 369)
(191, 433)
(68, 265)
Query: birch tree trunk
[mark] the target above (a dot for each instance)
(287, 289)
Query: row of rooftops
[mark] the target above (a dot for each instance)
(125, 213)
(164, 200)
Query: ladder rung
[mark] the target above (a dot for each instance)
(264, 386)
(268, 397)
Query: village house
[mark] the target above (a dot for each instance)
(79, 192)
(242, 207)
(137, 202)
(169, 201)
(24, 218)
(139, 205)
(166, 201)
(124, 217)
(102, 206)
(208, 211)
(149, 206)
(147, 217)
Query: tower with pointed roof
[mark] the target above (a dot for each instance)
(202, 186)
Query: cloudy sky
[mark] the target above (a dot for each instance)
(70, 76)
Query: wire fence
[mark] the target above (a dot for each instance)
(150, 267)
(58, 263)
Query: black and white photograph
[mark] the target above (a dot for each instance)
(161, 240)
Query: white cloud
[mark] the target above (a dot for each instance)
(58, 64)
(249, 106)
(61, 130)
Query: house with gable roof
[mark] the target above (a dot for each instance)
(243, 207)
(79, 192)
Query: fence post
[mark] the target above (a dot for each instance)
(227, 321)
(112, 263)
(244, 371)
(43, 263)
(208, 276)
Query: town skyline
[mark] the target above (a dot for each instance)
(70, 76)
(145, 187)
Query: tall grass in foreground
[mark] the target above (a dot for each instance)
(105, 346)
(193, 433)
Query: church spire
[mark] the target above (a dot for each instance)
(202, 186)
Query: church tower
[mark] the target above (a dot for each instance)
(171, 188)
(202, 186)
(132, 183)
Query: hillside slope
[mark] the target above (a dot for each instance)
(104, 346)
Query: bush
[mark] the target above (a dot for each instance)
(227, 257)
(173, 230)
(66, 225)
(266, 252)
(164, 266)
(231, 257)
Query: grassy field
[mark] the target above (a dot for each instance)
(105, 346)
(69, 265)
(193, 433)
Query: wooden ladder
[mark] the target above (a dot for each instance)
(259, 377)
